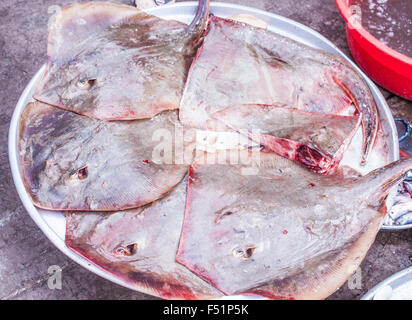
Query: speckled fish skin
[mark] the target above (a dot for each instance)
(113, 62)
(317, 141)
(73, 162)
(139, 246)
(284, 233)
(242, 64)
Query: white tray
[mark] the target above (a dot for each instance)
(401, 284)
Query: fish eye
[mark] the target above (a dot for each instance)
(86, 83)
(249, 252)
(82, 173)
(221, 215)
(245, 253)
(119, 251)
(128, 250)
(239, 252)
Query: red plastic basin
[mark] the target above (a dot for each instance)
(386, 66)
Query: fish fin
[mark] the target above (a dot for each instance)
(198, 25)
(319, 283)
(369, 116)
(317, 141)
(385, 179)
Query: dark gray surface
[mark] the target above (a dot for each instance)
(26, 254)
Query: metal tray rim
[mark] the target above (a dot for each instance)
(396, 276)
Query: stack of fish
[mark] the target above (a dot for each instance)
(143, 203)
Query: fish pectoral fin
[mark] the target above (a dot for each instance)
(318, 282)
(369, 117)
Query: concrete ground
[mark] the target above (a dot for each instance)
(26, 254)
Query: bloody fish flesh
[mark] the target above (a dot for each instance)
(315, 140)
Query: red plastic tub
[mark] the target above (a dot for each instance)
(389, 68)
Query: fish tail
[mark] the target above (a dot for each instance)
(366, 107)
(381, 181)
